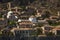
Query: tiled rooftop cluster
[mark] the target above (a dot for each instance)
(35, 19)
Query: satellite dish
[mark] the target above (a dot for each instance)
(16, 17)
(32, 20)
(19, 20)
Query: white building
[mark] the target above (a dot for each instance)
(9, 14)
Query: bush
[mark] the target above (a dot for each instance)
(53, 23)
(40, 24)
(0, 15)
(7, 33)
(39, 31)
(50, 34)
(11, 22)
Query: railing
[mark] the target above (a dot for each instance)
(31, 38)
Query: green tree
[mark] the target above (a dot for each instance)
(39, 31)
(46, 14)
